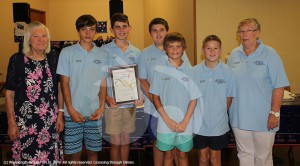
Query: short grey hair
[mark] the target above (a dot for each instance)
(26, 44)
(253, 21)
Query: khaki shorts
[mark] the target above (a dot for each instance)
(118, 120)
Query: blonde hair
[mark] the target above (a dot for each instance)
(253, 21)
(26, 44)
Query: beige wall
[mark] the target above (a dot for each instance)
(8, 46)
(60, 19)
(63, 17)
(279, 23)
(280, 27)
(179, 15)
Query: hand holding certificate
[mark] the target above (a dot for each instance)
(125, 84)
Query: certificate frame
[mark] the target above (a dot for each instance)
(125, 83)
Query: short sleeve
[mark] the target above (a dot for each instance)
(105, 66)
(154, 85)
(230, 84)
(138, 53)
(142, 67)
(229, 60)
(194, 90)
(63, 67)
(276, 72)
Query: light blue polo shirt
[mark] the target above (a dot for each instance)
(151, 57)
(216, 85)
(176, 88)
(256, 76)
(85, 71)
(119, 58)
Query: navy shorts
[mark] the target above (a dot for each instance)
(213, 142)
(151, 122)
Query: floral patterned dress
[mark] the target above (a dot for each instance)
(39, 144)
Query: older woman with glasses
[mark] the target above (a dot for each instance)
(260, 80)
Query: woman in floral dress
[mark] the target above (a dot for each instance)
(33, 99)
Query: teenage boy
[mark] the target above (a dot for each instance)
(120, 119)
(216, 82)
(150, 57)
(83, 67)
(174, 94)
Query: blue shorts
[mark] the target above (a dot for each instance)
(151, 122)
(166, 142)
(75, 133)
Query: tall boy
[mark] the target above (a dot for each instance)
(83, 67)
(120, 119)
(174, 96)
(216, 82)
(158, 29)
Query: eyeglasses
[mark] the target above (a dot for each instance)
(246, 31)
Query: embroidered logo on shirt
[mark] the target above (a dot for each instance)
(166, 78)
(259, 63)
(97, 62)
(235, 63)
(152, 59)
(185, 79)
(202, 81)
(220, 81)
(78, 61)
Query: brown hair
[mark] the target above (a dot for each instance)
(174, 37)
(211, 38)
(120, 17)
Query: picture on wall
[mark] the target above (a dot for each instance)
(102, 27)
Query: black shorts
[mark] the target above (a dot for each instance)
(213, 142)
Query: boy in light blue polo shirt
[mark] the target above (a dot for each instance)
(216, 82)
(151, 57)
(83, 69)
(120, 119)
(175, 98)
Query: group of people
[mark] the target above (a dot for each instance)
(185, 107)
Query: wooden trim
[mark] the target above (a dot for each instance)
(195, 32)
(41, 15)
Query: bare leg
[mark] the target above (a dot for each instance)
(182, 158)
(125, 146)
(175, 156)
(115, 150)
(169, 157)
(158, 156)
(215, 157)
(92, 156)
(204, 157)
(76, 157)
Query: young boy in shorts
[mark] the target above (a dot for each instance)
(174, 94)
(120, 119)
(83, 67)
(150, 57)
(216, 82)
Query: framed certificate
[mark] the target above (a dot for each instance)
(125, 84)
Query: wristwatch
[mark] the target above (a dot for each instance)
(276, 114)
